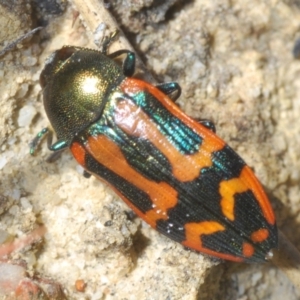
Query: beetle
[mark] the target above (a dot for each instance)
(172, 171)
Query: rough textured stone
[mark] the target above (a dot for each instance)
(234, 62)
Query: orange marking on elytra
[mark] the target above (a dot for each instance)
(135, 122)
(246, 181)
(194, 231)
(79, 152)
(250, 180)
(260, 235)
(227, 191)
(162, 195)
(248, 250)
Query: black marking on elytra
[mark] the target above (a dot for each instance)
(139, 153)
(144, 157)
(227, 163)
(203, 193)
(178, 133)
(233, 245)
(248, 219)
(248, 215)
(199, 200)
(139, 198)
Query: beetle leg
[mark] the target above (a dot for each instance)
(172, 89)
(35, 142)
(129, 61)
(208, 124)
(56, 147)
(129, 64)
(53, 157)
(108, 40)
(86, 174)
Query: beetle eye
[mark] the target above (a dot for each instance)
(55, 62)
(65, 53)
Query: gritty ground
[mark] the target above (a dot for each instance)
(234, 62)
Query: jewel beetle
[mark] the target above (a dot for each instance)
(172, 171)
